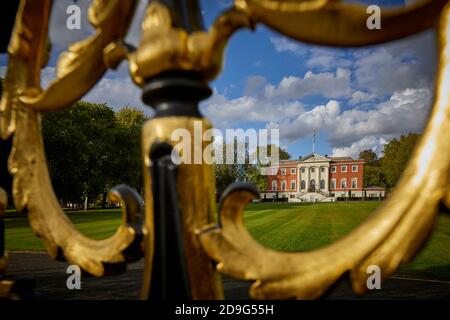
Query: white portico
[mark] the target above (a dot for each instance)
(313, 172)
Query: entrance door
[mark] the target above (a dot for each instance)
(312, 186)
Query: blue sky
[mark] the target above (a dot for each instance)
(356, 98)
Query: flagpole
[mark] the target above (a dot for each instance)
(314, 139)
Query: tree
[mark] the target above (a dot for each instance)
(282, 153)
(67, 158)
(254, 173)
(128, 145)
(90, 148)
(369, 156)
(396, 155)
(227, 174)
(372, 169)
(130, 117)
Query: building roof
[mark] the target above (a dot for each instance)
(345, 159)
(341, 158)
(315, 157)
(287, 162)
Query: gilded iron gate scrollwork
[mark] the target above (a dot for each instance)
(172, 64)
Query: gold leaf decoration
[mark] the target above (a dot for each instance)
(79, 69)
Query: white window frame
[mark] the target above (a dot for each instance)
(355, 180)
(345, 182)
(293, 185)
(274, 185)
(283, 171)
(293, 171)
(283, 183)
(303, 170)
(342, 168)
(274, 171)
(354, 168)
(312, 170)
(333, 169)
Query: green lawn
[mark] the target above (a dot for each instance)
(98, 224)
(287, 227)
(298, 227)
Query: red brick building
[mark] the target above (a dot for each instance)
(319, 178)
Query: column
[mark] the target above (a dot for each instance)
(307, 178)
(317, 178)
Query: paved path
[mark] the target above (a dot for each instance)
(51, 278)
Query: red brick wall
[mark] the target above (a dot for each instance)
(338, 175)
(349, 175)
(288, 178)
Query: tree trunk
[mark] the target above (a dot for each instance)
(85, 204)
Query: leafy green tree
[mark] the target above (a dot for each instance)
(282, 153)
(90, 148)
(66, 153)
(128, 146)
(225, 173)
(129, 117)
(369, 156)
(396, 155)
(373, 175)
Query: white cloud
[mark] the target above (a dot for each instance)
(353, 130)
(230, 113)
(116, 93)
(404, 112)
(254, 84)
(360, 97)
(282, 44)
(408, 63)
(264, 102)
(327, 59)
(325, 84)
(320, 117)
(375, 144)
(114, 89)
(382, 73)
(378, 70)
